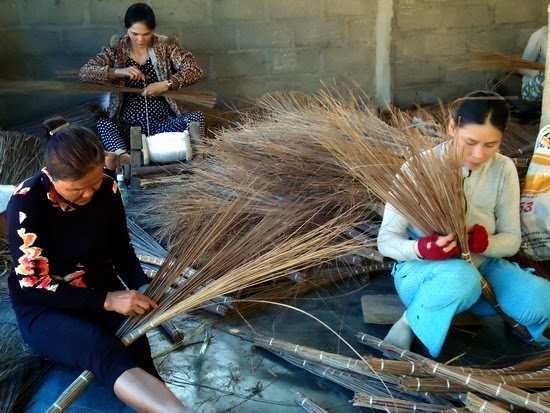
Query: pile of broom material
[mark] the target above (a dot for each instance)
(270, 160)
(275, 146)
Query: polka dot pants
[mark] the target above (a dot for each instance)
(115, 134)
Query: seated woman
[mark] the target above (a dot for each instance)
(532, 84)
(145, 60)
(69, 245)
(430, 278)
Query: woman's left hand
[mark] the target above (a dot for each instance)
(155, 89)
(111, 160)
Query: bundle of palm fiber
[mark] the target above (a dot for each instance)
(201, 99)
(493, 61)
(247, 301)
(243, 252)
(19, 156)
(20, 368)
(493, 383)
(307, 404)
(152, 255)
(352, 373)
(279, 154)
(477, 404)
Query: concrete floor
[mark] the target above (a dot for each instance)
(235, 376)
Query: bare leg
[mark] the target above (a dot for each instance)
(147, 394)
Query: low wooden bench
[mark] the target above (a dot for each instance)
(388, 308)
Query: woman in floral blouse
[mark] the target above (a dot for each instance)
(70, 250)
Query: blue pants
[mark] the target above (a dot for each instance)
(435, 291)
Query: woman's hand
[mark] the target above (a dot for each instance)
(128, 302)
(156, 89)
(436, 247)
(132, 72)
(114, 161)
(111, 160)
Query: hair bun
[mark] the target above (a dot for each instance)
(53, 125)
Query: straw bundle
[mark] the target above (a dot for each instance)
(479, 405)
(19, 157)
(307, 404)
(484, 385)
(535, 380)
(280, 154)
(359, 383)
(394, 405)
(247, 253)
(528, 369)
(310, 354)
(206, 99)
(351, 381)
(493, 61)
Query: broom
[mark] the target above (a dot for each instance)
(247, 252)
(206, 99)
(492, 61)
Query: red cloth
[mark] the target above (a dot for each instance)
(478, 239)
(429, 250)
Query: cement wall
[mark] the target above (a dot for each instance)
(397, 50)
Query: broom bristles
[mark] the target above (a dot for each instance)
(246, 254)
(492, 61)
(206, 99)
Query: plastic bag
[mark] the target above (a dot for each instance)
(535, 201)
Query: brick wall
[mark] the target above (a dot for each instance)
(249, 47)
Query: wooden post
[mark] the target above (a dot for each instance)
(545, 111)
(135, 153)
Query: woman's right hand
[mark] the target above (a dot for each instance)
(132, 72)
(128, 302)
(436, 247)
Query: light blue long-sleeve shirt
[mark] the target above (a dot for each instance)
(492, 194)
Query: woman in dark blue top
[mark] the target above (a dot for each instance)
(70, 250)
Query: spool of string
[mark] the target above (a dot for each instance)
(166, 146)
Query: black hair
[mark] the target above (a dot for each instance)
(140, 13)
(481, 107)
(70, 151)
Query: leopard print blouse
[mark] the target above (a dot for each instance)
(169, 59)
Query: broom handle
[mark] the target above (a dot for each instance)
(489, 295)
(71, 393)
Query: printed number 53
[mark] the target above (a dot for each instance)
(526, 207)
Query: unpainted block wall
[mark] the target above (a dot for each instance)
(430, 40)
(249, 47)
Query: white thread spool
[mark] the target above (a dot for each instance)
(167, 147)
